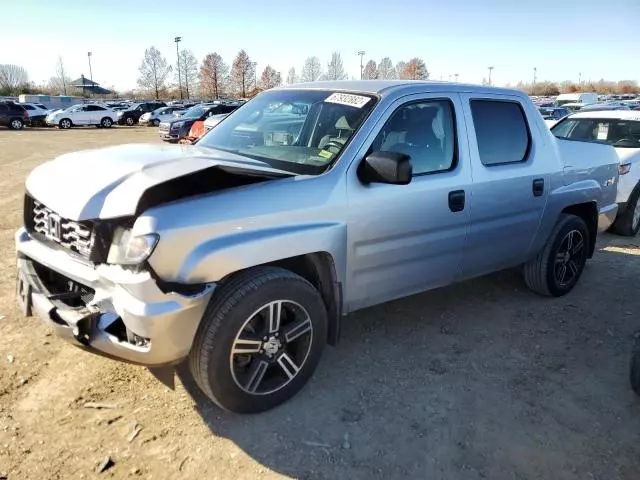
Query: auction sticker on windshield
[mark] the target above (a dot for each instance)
(348, 99)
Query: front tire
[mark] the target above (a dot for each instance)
(558, 266)
(155, 123)
(628, 223)
(260, 340)
(106, 122)
(65, 123)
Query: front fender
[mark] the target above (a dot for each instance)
(213, 259)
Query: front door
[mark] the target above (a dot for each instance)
(81, 115)
(404, 239)
(510, 182)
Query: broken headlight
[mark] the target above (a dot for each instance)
(127, 249)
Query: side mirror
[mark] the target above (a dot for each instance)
(386, 167)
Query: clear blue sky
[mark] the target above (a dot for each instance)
(562, 38)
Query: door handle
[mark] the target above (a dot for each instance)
(456, 200)
(538, 187)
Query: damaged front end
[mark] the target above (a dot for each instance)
(82, 258)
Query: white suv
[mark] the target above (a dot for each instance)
(83, 115)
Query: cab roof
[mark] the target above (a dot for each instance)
(382, 87)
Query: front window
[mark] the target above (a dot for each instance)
(302, 131)
(616, 132)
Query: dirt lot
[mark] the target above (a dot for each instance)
(479, 380)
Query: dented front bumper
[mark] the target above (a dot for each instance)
(122, 314)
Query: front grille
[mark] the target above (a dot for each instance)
(75, 236)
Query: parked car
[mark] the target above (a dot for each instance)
(621, 129)
(13, 115)
(131, 116)
(214, 120)
(583, 98)
(37, 113)
(174, 130)
(79, 115)
(244, 252)
(553, 113)
(162, 114)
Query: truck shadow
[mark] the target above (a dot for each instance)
(480, 379)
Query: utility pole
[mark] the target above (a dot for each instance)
(449, 77)
(177, 40)
(535, 78)
(361, 53)
(490, 70)
(456, 75)
(580, 78)
(90, 73)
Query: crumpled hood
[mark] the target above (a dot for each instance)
(108, 182)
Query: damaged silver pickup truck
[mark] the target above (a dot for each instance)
(242, 253)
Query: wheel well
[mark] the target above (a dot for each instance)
(589, 213)
(318, 268)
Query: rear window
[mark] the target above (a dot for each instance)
(501, 131)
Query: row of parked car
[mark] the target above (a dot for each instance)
(17, 115)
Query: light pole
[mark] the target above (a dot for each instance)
(490, 70)
(456, 75)
(580, 78)
(177, 40)
(361, 53)
(90, 73)
(535, 78)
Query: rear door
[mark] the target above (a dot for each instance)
(510, 182)
(96, 114)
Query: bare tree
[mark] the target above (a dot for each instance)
(243, 73)
(370, 71)
(188, 70)
(311, 70)
(13, 79)
(335, 69)
(213, 75)
(291, 76)
(415, 69)
(400, 68)
(386, 70)
(270, 78)
(154, 71)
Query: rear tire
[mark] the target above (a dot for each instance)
(276, 357)
(558, 266)
(628, 223)
(130, 121)
(16, 124)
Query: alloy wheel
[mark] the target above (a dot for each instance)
(569, 258)
(271, 347)
(16, 124)
(129, 121)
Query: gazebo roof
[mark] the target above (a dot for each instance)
(84, 82)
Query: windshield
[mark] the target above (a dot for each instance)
(619, 133)
(302, 131)
(194, 112)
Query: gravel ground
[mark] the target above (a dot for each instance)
(478, 380)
